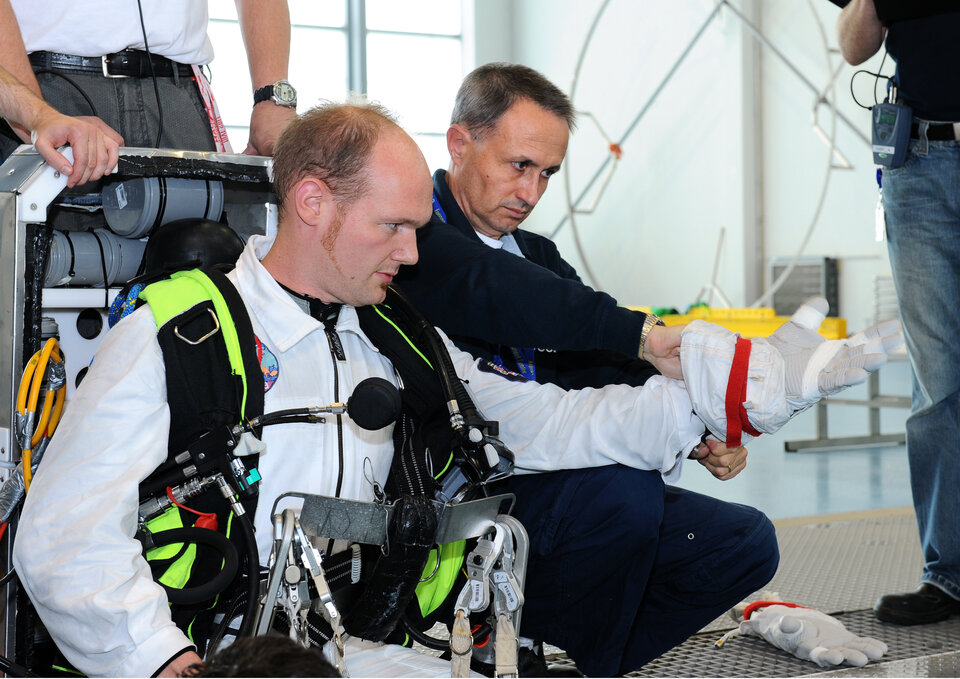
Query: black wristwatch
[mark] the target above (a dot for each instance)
(281, 92)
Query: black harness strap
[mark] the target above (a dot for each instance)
(204, 396)
(241, 320)
(423, 439)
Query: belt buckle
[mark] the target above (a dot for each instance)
(106, 72)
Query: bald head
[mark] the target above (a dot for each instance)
(355, 188)
(332, 143)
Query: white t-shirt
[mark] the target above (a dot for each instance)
(506, 242)
(176, 29)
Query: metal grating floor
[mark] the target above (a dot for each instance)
(941, 665)
(838, 564)
(753, 657)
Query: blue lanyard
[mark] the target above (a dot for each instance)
(524, 361)
(524, 358)
(438, 209)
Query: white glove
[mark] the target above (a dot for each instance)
(812, 635)
(787, 372)
(816, 367)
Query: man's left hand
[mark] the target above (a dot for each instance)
(95, 145)
(266, 123)
(721, 461)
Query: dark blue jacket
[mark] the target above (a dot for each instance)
(489, 301)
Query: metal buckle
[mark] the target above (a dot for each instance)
(106, 72)
(216, 323)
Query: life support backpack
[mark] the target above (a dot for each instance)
(213, 383)
(188, 305)
(212, 376)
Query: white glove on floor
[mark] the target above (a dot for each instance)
(787, 372)
(812, 635)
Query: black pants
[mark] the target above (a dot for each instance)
(623, 568)
(129, 106)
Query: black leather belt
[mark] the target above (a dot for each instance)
(935, 132)
(125, 64)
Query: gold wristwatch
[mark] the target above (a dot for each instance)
(648, 323)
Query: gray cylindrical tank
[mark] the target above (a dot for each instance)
(134, 207)
(49, 328)
(75, 258)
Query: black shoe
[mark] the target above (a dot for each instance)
(530, 663)
(927, 604)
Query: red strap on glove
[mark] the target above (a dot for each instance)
(756, 605)
(737, 421)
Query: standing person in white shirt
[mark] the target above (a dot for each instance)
(95, 146)
(135, 65)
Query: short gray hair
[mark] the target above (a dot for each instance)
(490, 90)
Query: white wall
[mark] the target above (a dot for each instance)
(718, 148)
(795, 161)
(493, 31)
(652, 238)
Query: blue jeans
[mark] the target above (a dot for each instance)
(922, 205)
(622, 569)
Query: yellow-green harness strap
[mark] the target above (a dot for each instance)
(184, 290)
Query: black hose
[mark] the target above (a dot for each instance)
(253, 577)
(454, 389)
(452, 386)
(8, 576)
(12, 669)
(424, 639)
(217, 584)
(230, 612)
(290, 415)
(435, 644)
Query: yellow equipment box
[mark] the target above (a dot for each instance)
(750, 322)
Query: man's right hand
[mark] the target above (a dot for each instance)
(95, 145)
(662, 349)
(178, 665)
(721, 461)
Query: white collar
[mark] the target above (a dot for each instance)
(284, 323)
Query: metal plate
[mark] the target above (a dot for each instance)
(942, 665)
(471, 519)
(330, 517)
(367, 522)
(844, 565)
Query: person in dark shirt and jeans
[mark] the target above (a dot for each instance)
(921, 201)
